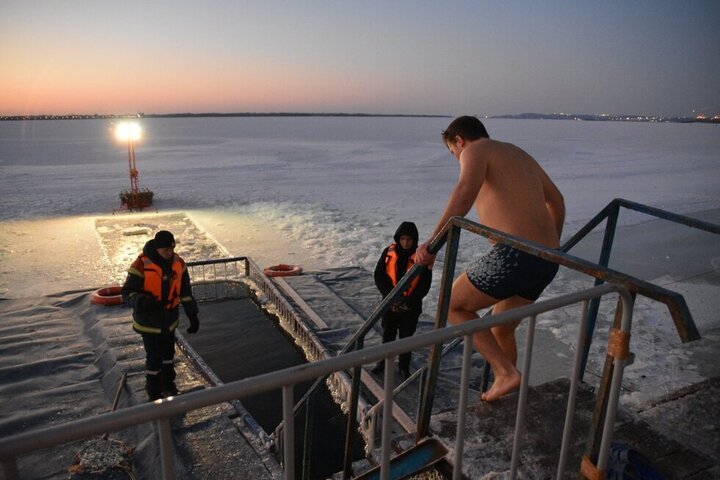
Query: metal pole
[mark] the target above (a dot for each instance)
(133, 176)
(572, 394)
(289, 433)
(308, 443)
(441, 314)
(166, 450)
(522, 399)
(462, 407)
(121, 385)
(619, 363)
(387, 419)
(603, 262)
(351, 420)
(595, 433)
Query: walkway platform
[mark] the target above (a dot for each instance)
(61, 359)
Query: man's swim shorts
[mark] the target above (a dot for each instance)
(504, 272)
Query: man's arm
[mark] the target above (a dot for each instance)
(554, 202)
(186, 297)
(473, 169)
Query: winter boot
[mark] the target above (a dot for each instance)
(168, 379)
(153, 387)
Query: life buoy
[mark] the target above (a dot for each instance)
(282, 270)
(107, 296)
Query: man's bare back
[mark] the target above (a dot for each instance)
(511, 197)
(511, 193)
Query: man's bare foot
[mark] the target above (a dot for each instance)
(502, 386)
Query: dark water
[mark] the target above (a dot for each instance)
(239, 340)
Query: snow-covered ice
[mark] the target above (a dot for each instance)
(329, 192)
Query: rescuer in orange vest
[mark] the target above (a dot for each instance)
(157, 283)
(402, 317)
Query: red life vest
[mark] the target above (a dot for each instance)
(390, 268)
(154, 279)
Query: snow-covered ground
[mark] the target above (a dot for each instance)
(329, 192)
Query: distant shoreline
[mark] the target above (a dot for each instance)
(210, 114)
(522, 116)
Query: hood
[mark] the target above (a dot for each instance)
(151, 251)
(407, 228)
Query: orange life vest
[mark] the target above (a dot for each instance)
(390, 267)
(154, 278)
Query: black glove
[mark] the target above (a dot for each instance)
(194, 324)
(400, 307)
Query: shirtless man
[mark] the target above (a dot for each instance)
(513, 194)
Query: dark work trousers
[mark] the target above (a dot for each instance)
(400, 323)
(159, 368)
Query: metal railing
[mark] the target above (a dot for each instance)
(610, 213)
(353, 356)
(161, 411)
(451, 234)
(218, 279)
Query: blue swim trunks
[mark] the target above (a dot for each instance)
(504, 272)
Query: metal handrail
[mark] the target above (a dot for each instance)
(162, 410)
(357, 342)
(450, 233)
(611, 213)
(675, 302)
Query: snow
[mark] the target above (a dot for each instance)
(329, 192)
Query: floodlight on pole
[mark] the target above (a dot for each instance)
(131, 132)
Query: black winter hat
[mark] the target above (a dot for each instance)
(164, 239)
(409, 229)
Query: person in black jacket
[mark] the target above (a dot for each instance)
(157, 283)
(402, 317)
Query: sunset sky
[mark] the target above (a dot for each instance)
(654, 57)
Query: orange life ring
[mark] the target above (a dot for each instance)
(107, 296)
(282, 270)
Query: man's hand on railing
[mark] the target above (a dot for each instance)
(423, 256)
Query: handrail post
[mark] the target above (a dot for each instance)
(604, 261)
(522, 398)
(426, 403)
(572, 396)
(462, 407)
(166, 452)
(387, 419)
(351, 420)
(595, 433)
(289, 433)
(308, 442)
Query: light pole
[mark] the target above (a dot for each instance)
(130, 132)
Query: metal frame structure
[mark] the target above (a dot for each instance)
(610, 213)
(354, 355)
(162, 411)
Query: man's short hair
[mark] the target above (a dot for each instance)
(469, 128)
